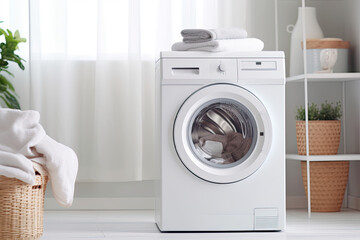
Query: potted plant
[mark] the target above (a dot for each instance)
(324, 129)
(328, 178)
(8, 45)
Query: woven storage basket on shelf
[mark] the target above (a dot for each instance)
(22, 208)
(324, 137)
(327, 184)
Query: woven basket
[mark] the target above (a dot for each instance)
(324, 137)
(21, 208)
(327, 184)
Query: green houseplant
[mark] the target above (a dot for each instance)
(328, 111)
(8, 45)
(328, 178)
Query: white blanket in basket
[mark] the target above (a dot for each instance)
(22, 141)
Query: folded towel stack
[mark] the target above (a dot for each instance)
(205, 35)
(24, 142)
(239, 45)
(217, 40)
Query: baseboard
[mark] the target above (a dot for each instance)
(354, 202)
(130, 203)
(148, 203)
(138, 203)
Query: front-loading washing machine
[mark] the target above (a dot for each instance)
(220, 137)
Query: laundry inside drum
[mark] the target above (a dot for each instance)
(223, 133)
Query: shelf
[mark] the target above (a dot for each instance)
(325, 77)
(322, 158)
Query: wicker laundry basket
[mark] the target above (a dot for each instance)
(22, 208)
(328, 182)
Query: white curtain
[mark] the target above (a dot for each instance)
(92, 74)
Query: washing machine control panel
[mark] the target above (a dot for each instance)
(206, 71)
(199, 71)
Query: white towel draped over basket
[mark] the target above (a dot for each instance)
(24, 141)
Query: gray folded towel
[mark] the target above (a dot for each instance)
(204, 35)
(235, 45)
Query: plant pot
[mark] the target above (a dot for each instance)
(328, 182)
(324, 137)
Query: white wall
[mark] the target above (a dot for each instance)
(260, 22)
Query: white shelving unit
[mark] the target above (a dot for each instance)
(318, 77)
(325, 77)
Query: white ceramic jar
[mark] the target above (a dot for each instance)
(313, 30)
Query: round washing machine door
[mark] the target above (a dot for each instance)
(222, 133)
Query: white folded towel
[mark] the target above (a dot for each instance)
(205, 35)
(24, 141)
(236, 45)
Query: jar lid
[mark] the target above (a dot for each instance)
(326, 43)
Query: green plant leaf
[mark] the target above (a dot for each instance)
(330, 112)
(313, 113)
(7, 50)
(300, 113)
(2, 31)
(326, 112)
(3, 88)
(10, 104)
(11, 99)
(18, 38)
(6, 102)
(6, 83)
(8, 72)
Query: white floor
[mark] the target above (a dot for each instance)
(140, 225)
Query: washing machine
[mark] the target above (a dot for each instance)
(220, 137)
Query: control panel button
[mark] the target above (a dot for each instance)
(222, 67)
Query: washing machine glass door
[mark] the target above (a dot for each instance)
(222, 133)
